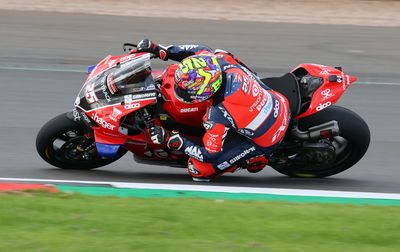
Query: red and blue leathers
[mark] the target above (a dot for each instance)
(246, 118)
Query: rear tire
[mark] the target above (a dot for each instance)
(351, 144)
(56, 142)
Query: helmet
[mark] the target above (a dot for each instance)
(197, 78)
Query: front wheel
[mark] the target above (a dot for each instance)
(350, 146)
(57, 143)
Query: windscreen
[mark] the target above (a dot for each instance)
(110, 86)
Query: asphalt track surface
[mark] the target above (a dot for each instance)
(33, 43)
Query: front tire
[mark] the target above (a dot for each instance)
(350, 146)
(56, 143)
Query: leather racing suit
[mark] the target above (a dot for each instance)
(246, 119)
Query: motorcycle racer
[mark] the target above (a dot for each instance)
(245, 122)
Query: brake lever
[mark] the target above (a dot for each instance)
(128, 47)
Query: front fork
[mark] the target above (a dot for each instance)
(80, 118)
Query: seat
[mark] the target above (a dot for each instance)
(288, 86)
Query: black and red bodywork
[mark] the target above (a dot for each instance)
(121, 90)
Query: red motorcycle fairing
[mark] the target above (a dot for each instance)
(334, 83)
(116, 87)
(120, 85)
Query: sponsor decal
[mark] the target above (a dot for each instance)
(323, 106)
(208, 125)
(105, 93)
(212, 137)
(76, 115)
(256, 90)
(326, 72)
(284, 121)
(110, 134)
(103, 123)
(115, 114)
(226, 67)
(260, 96)
(132, 105)
(187, 47)
(227, 116)
(90, 95)
(223, 165)
(195, 152)
(186, 110)
(261, 100)
(242, 154)
(193, 169)
(128, 57)
(246, 132)
(111, 84)
(133, 97)
(327, 94)
(237, 78)
(278, 132)
(276, 108)
(150, 87)
(246, 86)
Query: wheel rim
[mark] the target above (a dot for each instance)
(63, 148)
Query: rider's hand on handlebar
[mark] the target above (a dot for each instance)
(148, 46)
(159, 135)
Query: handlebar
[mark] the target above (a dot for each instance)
(132, 49)
(128, 47)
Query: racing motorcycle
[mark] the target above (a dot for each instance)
(123, 97)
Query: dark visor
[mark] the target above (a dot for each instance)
(183, 95)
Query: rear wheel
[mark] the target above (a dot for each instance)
(57, 143)
(349, 147)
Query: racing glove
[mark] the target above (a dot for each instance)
(159, 135)
(148, 46)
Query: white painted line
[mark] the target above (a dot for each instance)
(277, 191)
(225, 189)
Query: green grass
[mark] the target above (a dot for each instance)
(74, 222)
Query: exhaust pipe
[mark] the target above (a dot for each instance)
(325, 130)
